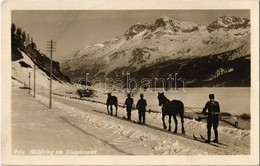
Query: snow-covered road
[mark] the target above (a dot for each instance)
(84, 127)
(39, 130)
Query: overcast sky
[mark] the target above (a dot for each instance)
(95, 26)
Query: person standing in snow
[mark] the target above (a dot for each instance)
(213, 117)
(129, 105)
(141, 106)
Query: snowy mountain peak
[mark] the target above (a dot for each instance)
(163, 23)
(164, 19)
(175, 25)
(228, 22)
(134, 30)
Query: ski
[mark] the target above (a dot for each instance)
(219, 143)
(134, 121)
(203, 141)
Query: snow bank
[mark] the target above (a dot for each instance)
(42, 79)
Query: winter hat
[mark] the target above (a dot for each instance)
(211, 96)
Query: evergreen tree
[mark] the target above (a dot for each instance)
(27, 40)
(23, 36)
(13, 28)
(33, 44)
(19, 32)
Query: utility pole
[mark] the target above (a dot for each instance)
(34, 83)
(29, 76)
(175, 79)
(51, 49)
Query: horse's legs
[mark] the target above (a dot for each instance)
(176, 123)
(107, 109)
(116, 110)
(182, 124)
(111, 109)
(164, 125)
(170, 119)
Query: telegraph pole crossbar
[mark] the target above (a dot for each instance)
(51, 48)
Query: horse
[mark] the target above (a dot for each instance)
(111, 100)
(172, 109)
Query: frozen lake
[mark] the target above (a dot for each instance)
(232, 100)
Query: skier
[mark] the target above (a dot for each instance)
(213, 113)
(141, 106)
(129, 105)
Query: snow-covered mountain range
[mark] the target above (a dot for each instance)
(213, 55)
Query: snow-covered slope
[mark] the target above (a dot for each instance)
(144, 45)
(20, 73)
(228, 23)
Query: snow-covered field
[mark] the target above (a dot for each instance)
(81, 126)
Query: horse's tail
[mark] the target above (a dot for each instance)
(182, 108)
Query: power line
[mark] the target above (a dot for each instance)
(63, 23)
(69, 25)
(63, 27)
(51, 48)
(60, 23)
